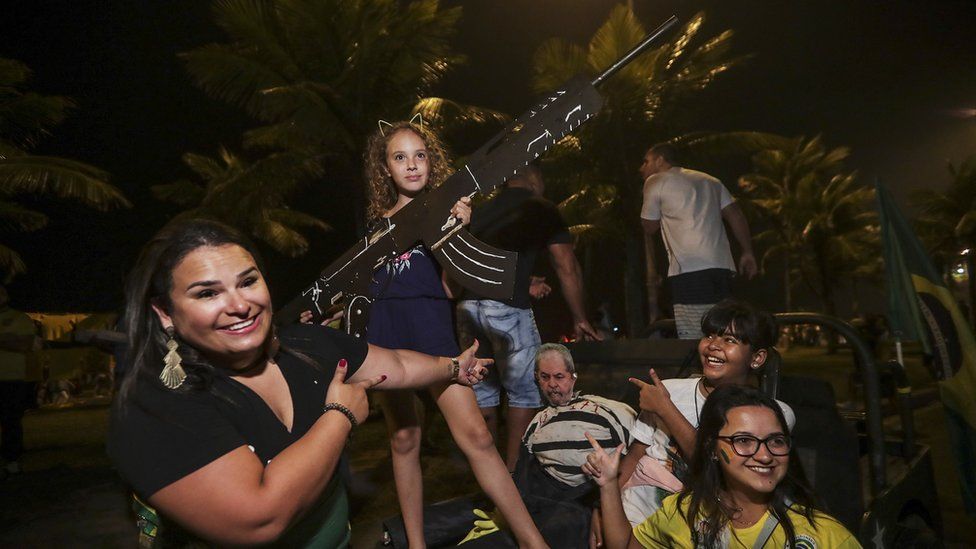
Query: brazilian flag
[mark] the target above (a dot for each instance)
(921, 307)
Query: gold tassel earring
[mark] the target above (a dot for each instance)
(173, 374)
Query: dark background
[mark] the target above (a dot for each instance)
(881, 77)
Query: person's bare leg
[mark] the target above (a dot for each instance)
(517, 422)
(459, 407)
(491, 419)
(399, 409)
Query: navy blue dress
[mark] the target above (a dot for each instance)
(410, 309)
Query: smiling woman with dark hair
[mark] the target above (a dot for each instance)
(746, 488)
(231, 430)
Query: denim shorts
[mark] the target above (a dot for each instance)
(509, 335)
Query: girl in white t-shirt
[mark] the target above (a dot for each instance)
(737, 342)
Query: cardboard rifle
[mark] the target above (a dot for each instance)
(482, 269)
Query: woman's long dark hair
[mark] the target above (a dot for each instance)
(706, 483)
(150, 283)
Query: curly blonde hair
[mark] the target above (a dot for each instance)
(380, 188)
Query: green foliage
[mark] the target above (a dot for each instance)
(645, 104)
(25, 118)
(821, 219)
(947, 219)
(252, 196)
(317, 75)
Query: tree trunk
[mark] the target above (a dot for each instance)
(970, 266)
(787, 301)
(830, 308)
(787, 286)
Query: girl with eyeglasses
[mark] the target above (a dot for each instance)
(745, 489)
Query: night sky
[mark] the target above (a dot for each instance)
(880, 77)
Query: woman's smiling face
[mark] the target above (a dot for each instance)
(756, 476)
(220, 305)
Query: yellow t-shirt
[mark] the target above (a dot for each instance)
(667, 528)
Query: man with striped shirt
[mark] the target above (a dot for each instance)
(559, 496)
(556, 436)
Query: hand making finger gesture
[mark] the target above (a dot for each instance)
(600, 465)
(472, 369)
(351, 395)
(654, 396)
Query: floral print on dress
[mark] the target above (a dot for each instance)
(402, 262)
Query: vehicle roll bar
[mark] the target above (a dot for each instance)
(872, 388)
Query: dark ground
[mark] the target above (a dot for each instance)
(68, 495)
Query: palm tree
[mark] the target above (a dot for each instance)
(644, 105)
(820, 217)
(252, 196)
(319, 74)
(25, 118)
(947, 219)
(947, 222)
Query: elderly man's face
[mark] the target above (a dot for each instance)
(555, 381)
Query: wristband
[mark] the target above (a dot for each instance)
(345, 411)
(455, 368)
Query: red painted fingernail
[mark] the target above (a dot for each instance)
(342, 363)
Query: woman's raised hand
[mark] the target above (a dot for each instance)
(351, 395)
(462, 210)
(600, 465)
(472, 369)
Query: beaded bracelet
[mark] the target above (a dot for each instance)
(340, 408)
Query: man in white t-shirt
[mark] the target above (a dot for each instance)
(689, 207)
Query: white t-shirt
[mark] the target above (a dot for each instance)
(689, 205)
(642, 501)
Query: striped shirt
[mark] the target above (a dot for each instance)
(556, 435)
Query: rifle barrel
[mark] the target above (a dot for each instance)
(636, 50)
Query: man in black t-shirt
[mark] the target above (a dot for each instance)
(518, 218)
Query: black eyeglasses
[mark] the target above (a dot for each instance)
(748, 445)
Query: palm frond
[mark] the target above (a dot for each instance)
(16, 218)
(555, 62)
(181, 192)
(59, 177)
(703, 148)
(445, 115)
(293, 218)
(285, 240)
(11, 264)
(13, 73)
